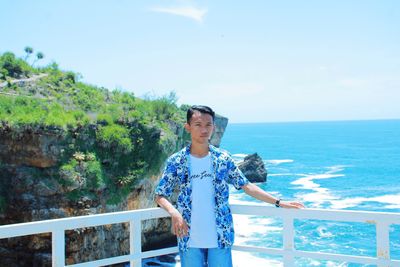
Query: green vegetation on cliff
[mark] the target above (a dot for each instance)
(109, 139)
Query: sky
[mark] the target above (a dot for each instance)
(251, 61)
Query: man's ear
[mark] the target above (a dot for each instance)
(187, 127)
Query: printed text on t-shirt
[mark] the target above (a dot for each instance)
(201, 175)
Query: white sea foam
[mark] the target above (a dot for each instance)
(392, 201)
(323, 232)
(258, 225)
(280, 174)
(248, 228)
(320, 195)
(278, 161)
(237, 158)
(307, 182)
(239, 155)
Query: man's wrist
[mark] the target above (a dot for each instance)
(174, 212)
(278, 203)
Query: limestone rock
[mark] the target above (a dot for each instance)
(220, 126)
(254, 168)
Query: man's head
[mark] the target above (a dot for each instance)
(200, 123)
(201, 109)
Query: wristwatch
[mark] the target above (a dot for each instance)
(278, 203)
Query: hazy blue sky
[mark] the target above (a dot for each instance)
(252, 61)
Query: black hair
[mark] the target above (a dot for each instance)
(201, 109)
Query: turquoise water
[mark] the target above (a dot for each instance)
(349, 165)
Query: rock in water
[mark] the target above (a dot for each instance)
(254, 168)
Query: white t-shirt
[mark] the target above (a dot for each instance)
(203, 230)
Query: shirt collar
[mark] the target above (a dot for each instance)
(210, 147)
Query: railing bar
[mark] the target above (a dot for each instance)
(158, 252)
(131, 239)
(313, 255)
(304, 211)
(288, 241)
(382, 242)
(138, 242)
(58, 248)
(135, 241)
(154, 214)
(382, 220)
(272, 251)
(108, 261)
(70, 223)
(39, 227)
(336, 257)
(127, 258)
(318, 214)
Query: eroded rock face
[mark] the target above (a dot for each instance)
(31, 184)
(31, 147)
(30, 181)
(254, 168)
(220, 126)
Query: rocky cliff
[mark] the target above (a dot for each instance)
(220, 126)
(253, 168)
(32, 188)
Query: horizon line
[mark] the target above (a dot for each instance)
(315, 121)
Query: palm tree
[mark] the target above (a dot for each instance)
(28, 50)
(39, 56)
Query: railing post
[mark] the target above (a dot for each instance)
(382, 243)
(135, 239)
(58, 248)
(288, 240)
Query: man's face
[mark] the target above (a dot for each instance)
(201, 127)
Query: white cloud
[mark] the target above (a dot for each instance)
(190, 12)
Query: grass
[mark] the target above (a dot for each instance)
(122, 138)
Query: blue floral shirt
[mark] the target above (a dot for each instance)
(177, 173)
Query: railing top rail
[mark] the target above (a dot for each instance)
(318, 214)
(46, 226)
(20, 229)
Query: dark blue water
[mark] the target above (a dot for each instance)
(352, 165)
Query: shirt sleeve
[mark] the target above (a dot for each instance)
(235, 175)
(168, 180)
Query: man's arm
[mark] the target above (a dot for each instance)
(256, 192)
(179, 226)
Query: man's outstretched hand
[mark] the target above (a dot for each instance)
(291, 205)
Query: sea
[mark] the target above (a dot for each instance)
(341, 165)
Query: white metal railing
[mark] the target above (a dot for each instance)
(58, 227)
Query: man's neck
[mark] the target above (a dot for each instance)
(199, 150)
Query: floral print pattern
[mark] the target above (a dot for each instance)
(177, 173)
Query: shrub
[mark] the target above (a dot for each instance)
(105, 119)
(88, 97)
(13, 67)
(94, 174)
(83, 170)
(115, 136)
(113, 112)
(28, 110)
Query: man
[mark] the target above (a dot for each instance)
(202, 220)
